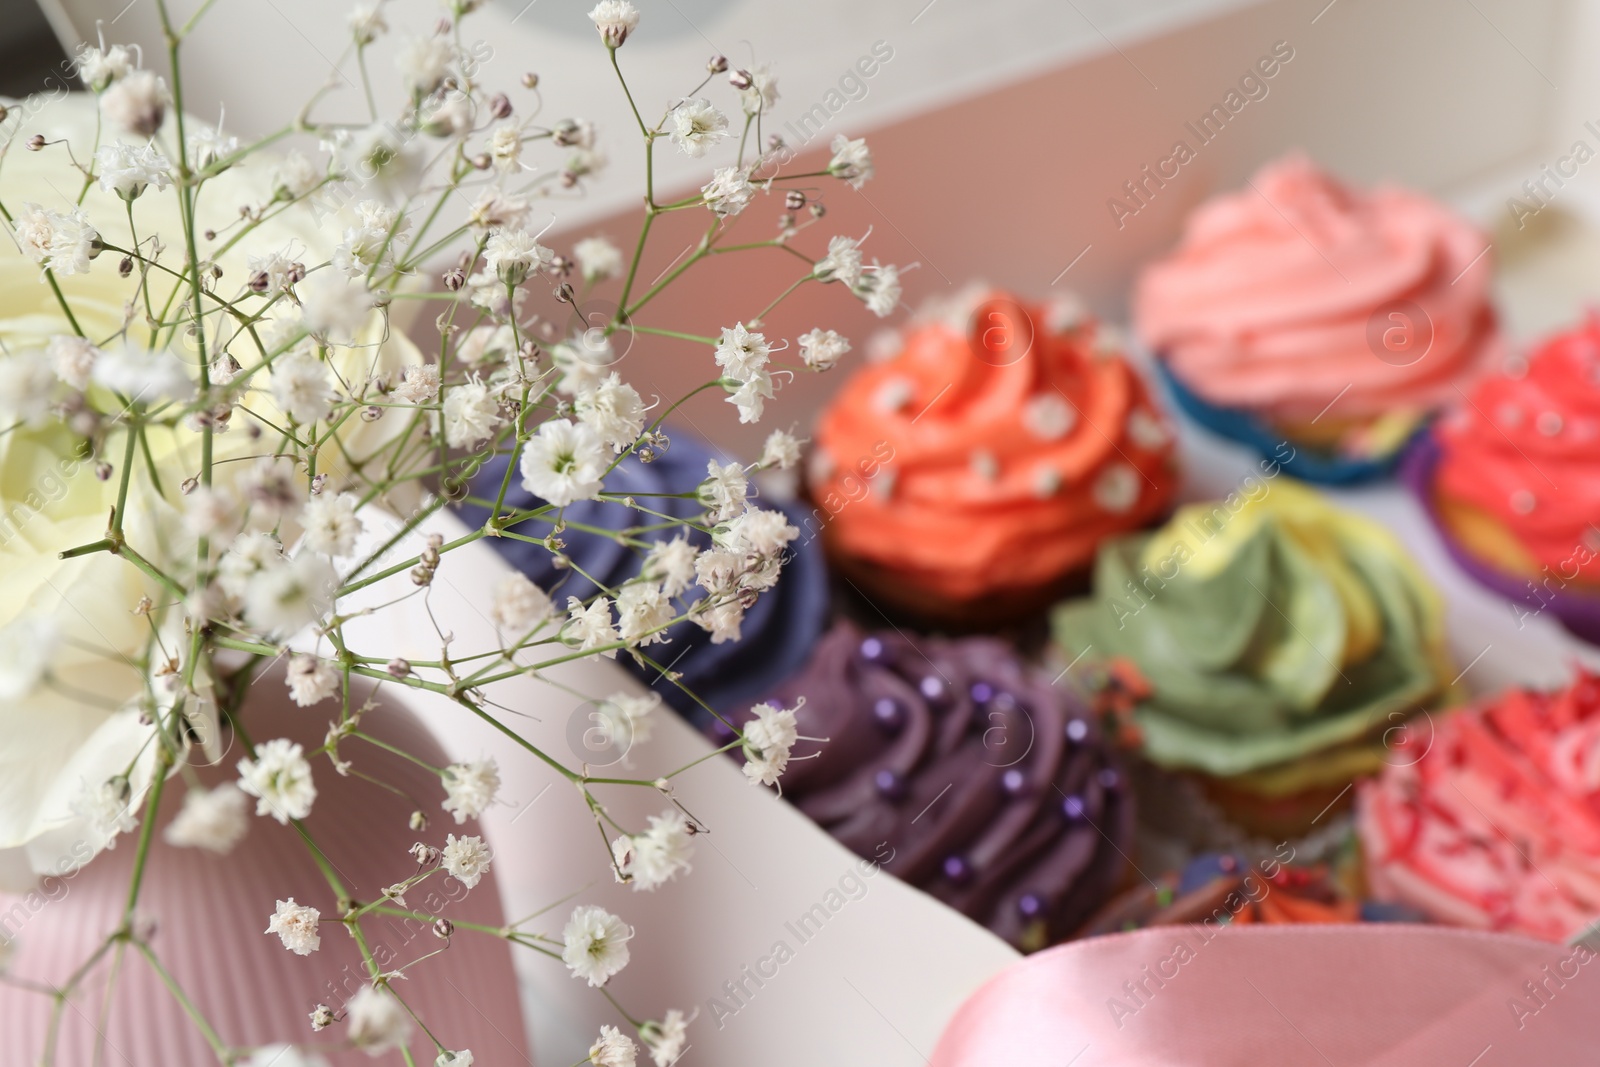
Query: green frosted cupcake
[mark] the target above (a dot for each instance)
(1271, 644)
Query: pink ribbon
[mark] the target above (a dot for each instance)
(1376, 995)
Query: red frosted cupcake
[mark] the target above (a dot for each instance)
(1305, 316)
(1497, 825)
(1512, 479)
(970, 477)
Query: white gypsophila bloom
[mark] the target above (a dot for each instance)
(658, 855)
(212, 819)
(333, 307)
(742, 354)
(63, 243)
(724, 491)
(589, 626)
(211, 511)
(520, 606)
(136, 103)
(296, 926)
(311, 679)
(143, 375)
(852, 161)
(729, 191)
(449, 117)
(563, 462)
(496, 209)
(277, 269)
(100, 67)
(718, 570)
(425, 62)
(723, 621)
(372, 241)
(458, 1058)
(282, 598)
(584, 161)
(505, 146)
(273, 490)
(627, 716)
(295, 176)
(643, 612)
(842, 263)
(615, 20)
(250, 554)
(466, 859)
(580, 133)
(280, 779)
(104, 806)
(377, 1021)
(283, 1056)
(26, 647)
(207, 144)
(28, 381)
(782, 450)
(302, 387)
(694, 126)
(612, 408)
(672, 564)
(822, 349)
(382, 156)
(366, 23)
(759, 532)
(470, 788)
(613, 1049)
(420, 384)
(488, 342)
(598, 259)
(127, 170)
(471, 413)
(511, 255)
(666, 1039)
(331, 524)
(879, 288)
(595, 944)
(762, 93)
(582, 360)
(751, 397)
(767, 741)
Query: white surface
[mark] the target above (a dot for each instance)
(874, 986)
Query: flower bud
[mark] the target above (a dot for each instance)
(741, 80)
(443, 928)
(36, 142)
(398, 667)
(717, 64)
(530, 80)
(454, 279)
(500, 106)
(794, 200)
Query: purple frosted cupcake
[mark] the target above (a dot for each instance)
(963, 771)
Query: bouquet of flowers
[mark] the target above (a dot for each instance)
(215, 430)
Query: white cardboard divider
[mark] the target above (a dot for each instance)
(871, 977)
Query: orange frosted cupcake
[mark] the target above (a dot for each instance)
(970, 477)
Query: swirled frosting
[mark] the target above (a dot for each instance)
(1263, 628)
(1497, 825)
(1523, 454)
(778, 630)
(962, 771)
(1280, 297)
(992, 453)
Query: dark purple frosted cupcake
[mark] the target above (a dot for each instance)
(964, 772)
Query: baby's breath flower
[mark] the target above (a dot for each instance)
(301, 386)
(470, 788)
(331, 524)
(589, 626)
(212, 819)
(519, 605)
(512, 255)
(879, 288)
(658, 855)
(842, 263)
(296, 925)
(466, 859)
(767, 741)
(782, 450)
(420, 384)
(612, 408)
(505, 147)
(100, 67)
(595, 944)
(598, 259)
(729, 191)
(377, 1020)
(615, 19)
(643, 610)
(311, 680)
(459, 1058)
(471, 414)
(128, 170)
(28, 382)
(694, 126)
(425, 62)
(852, 161)
(366, 23)
(666, 1039)
(334, 307)
(295, 176)
(563, 462)
(762, 92)
(63, 243)
(822, 349)
(498, 210)
(280, 779)
(751, 396)
(105, 806)
(613, 1049)
(73, 359)
(285, 596)
(136, 103)
(627, 716)
(143, 375)
(724, 491)
(672, 564)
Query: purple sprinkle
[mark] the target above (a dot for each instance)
(891, 785)
(956, 869)
(872, 649)
(889, 714)
(932, 687)
(1072, 808)
(1077, 730)
(1031, 905)
(982, 692)
(1013, 781)
(1109, 778)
